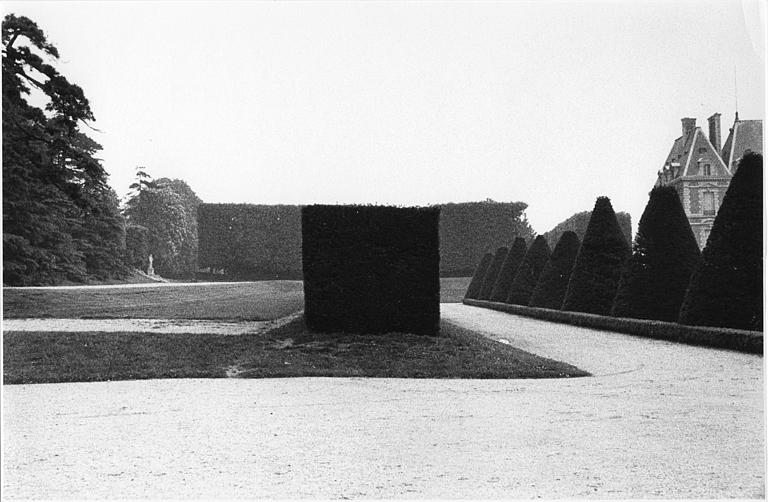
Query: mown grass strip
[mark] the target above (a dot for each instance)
(288, 351)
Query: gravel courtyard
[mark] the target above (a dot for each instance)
(658, 420)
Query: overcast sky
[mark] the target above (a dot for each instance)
(550, 103)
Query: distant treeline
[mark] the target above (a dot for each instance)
(578, 224)
(250, 242)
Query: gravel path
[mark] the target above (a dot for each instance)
(168, 326)
(659, 420)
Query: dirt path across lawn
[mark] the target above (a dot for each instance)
(659, 420)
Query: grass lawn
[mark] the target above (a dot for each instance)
(288, 351)
(252, 301)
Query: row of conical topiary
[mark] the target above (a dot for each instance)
(664, 277)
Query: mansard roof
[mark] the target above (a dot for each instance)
(745, 135)
(680, 148)
(683, 153)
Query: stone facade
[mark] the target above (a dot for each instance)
(696, 167)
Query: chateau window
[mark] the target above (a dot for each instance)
(702, 150)
(707, 170)
(709, 203)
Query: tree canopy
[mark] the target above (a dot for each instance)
(60, 219)
(167, 210)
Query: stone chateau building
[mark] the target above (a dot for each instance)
(701, 170)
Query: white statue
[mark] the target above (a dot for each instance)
(150, 269)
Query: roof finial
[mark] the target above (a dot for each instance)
(736, 92)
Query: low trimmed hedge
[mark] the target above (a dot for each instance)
(734, 339)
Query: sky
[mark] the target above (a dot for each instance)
(552, 103)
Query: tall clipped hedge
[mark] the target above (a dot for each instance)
(664, 255)
(553, 281)
(371, 269)
(726, 289)
(473, 290)
(250, 242)
(265, 241)
(508, 270)
(578, 223)
(597, 270)
(529, 271)
(493, 273)
(469, 229)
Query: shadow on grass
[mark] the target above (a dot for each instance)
(288, 351)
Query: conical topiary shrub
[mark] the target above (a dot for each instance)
(664, 256)
(553, 281)
(528, 274)
(492, 273)
(508, 270)
(601, 256)
(726, 289)
(477, 280)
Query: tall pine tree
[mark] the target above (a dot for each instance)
(597, 270)
(60, 221)
(726, 289)
(664, 255)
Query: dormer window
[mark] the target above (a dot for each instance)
(702, 150)
(705, 168)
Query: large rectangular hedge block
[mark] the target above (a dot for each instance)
(371, 269)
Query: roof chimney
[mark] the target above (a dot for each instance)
(688, 125)
(714, 131)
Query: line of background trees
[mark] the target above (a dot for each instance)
(61, 221)
(663, 277)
